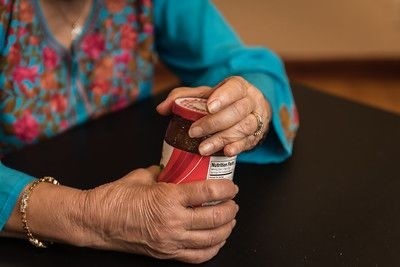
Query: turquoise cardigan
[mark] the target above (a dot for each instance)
(199, 46)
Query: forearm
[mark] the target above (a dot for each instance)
(134, 214)
(54, 213)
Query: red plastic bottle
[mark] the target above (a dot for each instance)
(181, 161)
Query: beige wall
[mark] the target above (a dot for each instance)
(313, 29)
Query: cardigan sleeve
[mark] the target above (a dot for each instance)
(196, 43)
(12, 182)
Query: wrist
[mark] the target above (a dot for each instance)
(90, 220)
(53, 214)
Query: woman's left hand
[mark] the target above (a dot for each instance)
(239, 115)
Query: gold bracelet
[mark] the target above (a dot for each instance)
(24, 205)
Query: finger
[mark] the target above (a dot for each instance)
(223, 119)
(197, 193)
(208, 238)
(209, 217)
(226, 93)
(197, 256)
(243, 130)
(154, 170)
(142, 176)
(238, 147)
(164, 108)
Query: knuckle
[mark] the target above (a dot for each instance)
(165, 240)
(211, 123)
(163, 250)
(254, 140)
(176, 92)
(241, 108)
(212, 238)
(157, 243)
(180, 193)
(233, 205)
(250, 142)
(220, 140)
(166, 247)
(245, 127)
(192, 218)
(167, 188)
(216, 217)
(204, 87)
(168, 197)
(158, 236)
(232, 149)
(240, 84)
(210, 190)
(230, 209)
(248, 105)
(237, 109)
(140, 172)
(242, 146)
(237, 147)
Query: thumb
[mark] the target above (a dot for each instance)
(144, 176)
(164, 108)
(198, 193)
(154, 170)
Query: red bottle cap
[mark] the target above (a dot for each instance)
(190, 108)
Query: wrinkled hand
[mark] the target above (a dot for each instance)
(230, 123)
(165, 221)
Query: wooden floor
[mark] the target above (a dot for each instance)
(376, 85)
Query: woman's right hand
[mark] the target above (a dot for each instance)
(166, 221)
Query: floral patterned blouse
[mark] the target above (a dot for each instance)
(46, 88)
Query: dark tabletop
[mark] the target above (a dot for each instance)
(336, 202)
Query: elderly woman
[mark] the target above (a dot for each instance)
(64, 62)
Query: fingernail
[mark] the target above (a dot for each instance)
(237, 208)
(206, 149)
(214, 106)
(233, 223)
(195, 132)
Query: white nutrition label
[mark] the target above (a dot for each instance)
(221, 167)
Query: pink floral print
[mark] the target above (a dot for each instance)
(46, 89)
(21, 74)
(26, 127)
(93, 45)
